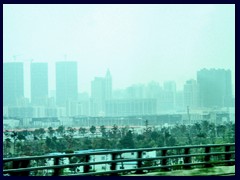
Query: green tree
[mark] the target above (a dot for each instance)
(82, 131)
(51, 131)
(115, 131)
(71, 131)
(61, 130)
(127, 141)
(14, 135)
(103, 131)
(93, 130)
(7, 143)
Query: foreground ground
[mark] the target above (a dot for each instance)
(213, 171)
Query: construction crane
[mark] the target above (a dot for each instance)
(15, 56)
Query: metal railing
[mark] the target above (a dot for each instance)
(165, 160)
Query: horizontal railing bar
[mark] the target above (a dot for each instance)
(116, 161)
(82, 164)
(132, 159)
(122, 160)
(114, 151)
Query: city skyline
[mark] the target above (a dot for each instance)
(138, 43)
(211, 89)
(67, 75)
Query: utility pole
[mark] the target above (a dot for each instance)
(146, 124)
(188, 114)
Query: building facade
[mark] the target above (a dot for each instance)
(66, 82)
(191, 94)
(101, 91)
(39, 84)
(131, 107)
(215, 87)
(13, 83)
(167, 99)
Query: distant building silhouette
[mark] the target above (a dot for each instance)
(191, 94)
(136, 91)
(108, 85)
(167, 100)
(39, 83)
(215, 88)
(66, 82)
(13, 83)
(131, 107)
(101, 90)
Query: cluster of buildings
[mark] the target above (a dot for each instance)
(212, 89)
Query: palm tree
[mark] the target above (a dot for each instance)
(71, 131)
(92, 129)
(60, 130)
(39, 132)
(115, 131)
(51, 131)
(82, 131)
(103, 131)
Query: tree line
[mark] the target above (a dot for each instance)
(62, 139)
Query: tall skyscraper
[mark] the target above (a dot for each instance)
(108, 85)
(66, 82)
(39, 83)
(191, 94)
(101, 90)
(215, 87)
(101, 87)
(13, 83)
(98, 88)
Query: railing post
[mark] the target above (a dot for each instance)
(207, 157)
(86, 168)
(57, 171)
(187, 159)
(114, 164)
(164, 160)
(21, 164)
(139, 163)
(228, 156)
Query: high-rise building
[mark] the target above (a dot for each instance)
(180, 101)
(136, 91)
(98, 88)
(167, 100)
(66, 82)
(108, 85)
(191, 94)
(153, 90)
(13, 83)
(39, 83)
(101, 90)
(215, 87)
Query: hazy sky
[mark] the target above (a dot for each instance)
(138, 43)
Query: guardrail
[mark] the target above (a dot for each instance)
(192, 156)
